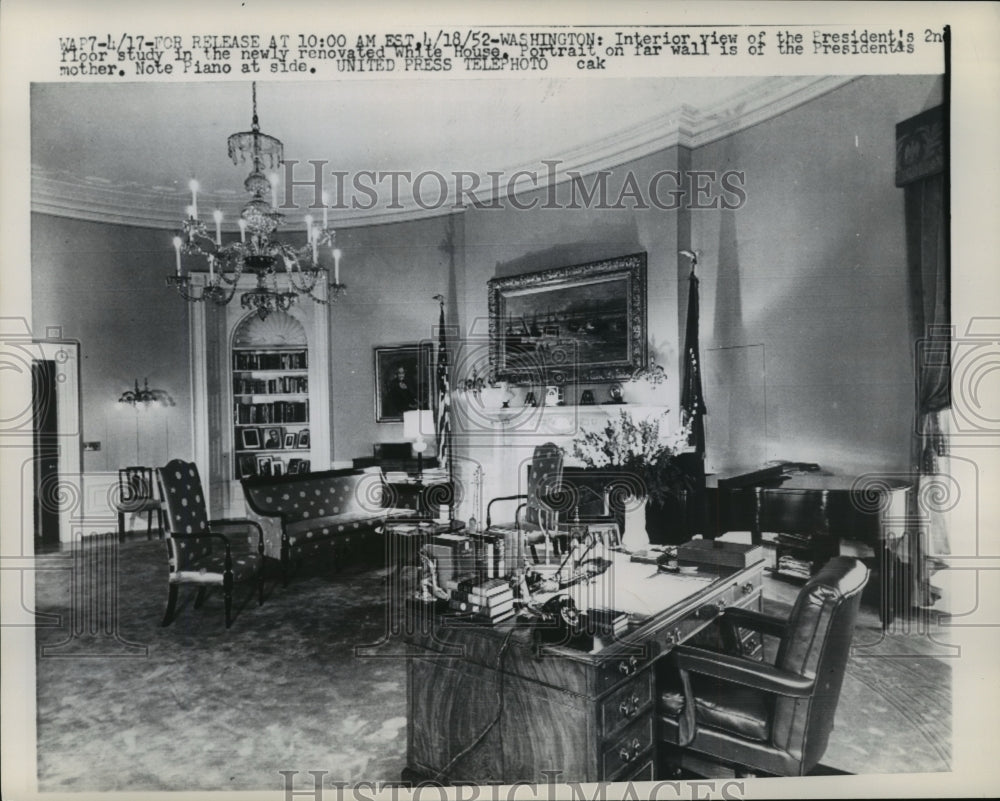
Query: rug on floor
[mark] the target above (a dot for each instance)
(123, 704)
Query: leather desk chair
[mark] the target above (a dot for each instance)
(761, 718)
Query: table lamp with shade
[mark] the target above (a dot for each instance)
(418, 428)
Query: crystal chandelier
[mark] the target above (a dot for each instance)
(257, 252)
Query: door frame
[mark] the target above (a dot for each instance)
(69, 437)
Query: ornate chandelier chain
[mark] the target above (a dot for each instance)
(257, 252)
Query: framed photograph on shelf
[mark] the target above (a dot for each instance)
(247, 465)
(302, 440)
(289, 440)
(293, 466)
(582, 323)
(404, 377)
(263, 465)
(274, 437)
(250, 439)
(277, 466)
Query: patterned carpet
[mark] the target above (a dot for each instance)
(123, 704)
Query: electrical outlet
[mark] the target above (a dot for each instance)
(91, 446)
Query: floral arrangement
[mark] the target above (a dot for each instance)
(476, 383)
(642, 448)
(653, 375)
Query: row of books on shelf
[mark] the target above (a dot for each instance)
(255, 360)
(272, 412)
(270, 386)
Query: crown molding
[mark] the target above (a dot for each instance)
(63, 194)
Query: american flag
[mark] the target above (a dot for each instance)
(443, 422)
(692, 400)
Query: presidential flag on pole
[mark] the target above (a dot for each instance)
(443, 423)
(692, 400)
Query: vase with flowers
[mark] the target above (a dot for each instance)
(638, 456)
(646, 386)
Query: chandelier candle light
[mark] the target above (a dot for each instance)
(257, 251)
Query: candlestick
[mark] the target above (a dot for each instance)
(217, 214)
(336, 265)
(243, 230)
(273, 179)
(177, 251)
(326, 202)
(315, 241)
(193, 184)
(309, 229)
(211, 268)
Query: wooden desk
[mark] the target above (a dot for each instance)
(552, 706)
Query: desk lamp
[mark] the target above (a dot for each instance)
(415, 425)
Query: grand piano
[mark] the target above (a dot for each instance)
(806, 513)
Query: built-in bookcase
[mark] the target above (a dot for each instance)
(271, 429)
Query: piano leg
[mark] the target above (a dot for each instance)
(887, 585)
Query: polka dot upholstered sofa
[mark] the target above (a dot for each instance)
(307, 514)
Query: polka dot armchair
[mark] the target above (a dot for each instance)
(198, 551)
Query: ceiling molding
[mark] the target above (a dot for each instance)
(63, 194)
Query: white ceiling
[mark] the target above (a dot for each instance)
(125, 152)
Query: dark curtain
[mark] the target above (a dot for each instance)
(922, 172)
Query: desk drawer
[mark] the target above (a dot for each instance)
(613, 671)
(628, 747)
(626, 703)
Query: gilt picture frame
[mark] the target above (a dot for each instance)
(404, 375)
(582, 323)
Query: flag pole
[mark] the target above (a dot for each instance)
(443, 422)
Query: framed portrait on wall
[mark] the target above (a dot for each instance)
(404, 376)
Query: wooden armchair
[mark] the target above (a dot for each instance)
(198, 551)
(135, 496)
(535, 520)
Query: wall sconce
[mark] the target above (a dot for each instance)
(146, 397)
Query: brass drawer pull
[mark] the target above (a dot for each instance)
(627, 755)
(629, 707)
(748, 588)
(628, 666)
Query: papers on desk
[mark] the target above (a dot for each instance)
(637, 588)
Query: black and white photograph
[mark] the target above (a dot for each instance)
(746, 547)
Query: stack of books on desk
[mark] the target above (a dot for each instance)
(490, 601)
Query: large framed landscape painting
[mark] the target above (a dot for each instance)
(581, 323)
